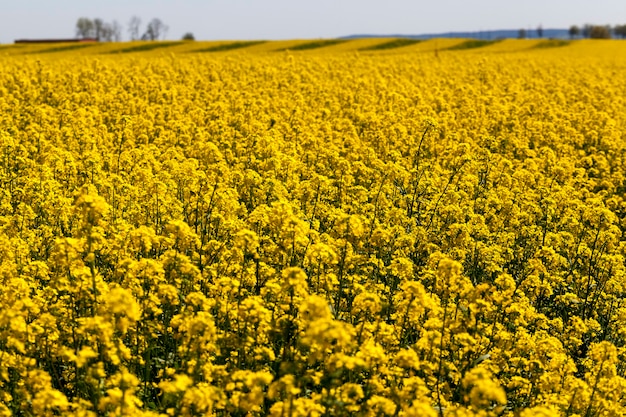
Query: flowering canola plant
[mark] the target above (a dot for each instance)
(303, 234)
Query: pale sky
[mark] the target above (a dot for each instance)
(294, 19)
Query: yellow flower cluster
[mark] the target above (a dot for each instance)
(300, 234)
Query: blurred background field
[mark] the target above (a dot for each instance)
(375, 46)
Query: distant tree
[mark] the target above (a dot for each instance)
(105, 33)
(586, 32)
(134, 26)
(600, 32)
(110, 32)
(116, 31)
(99, 28)
(620, 30)
(539, 31)
(574, 31)
(155, 30)
(85, 28)
(189, 37)
(521, 34)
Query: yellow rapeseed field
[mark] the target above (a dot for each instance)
(370, 227)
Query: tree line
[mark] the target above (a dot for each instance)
(112, 31)
(597, 31)
(587, 31)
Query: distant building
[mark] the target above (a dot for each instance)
(56, 40)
